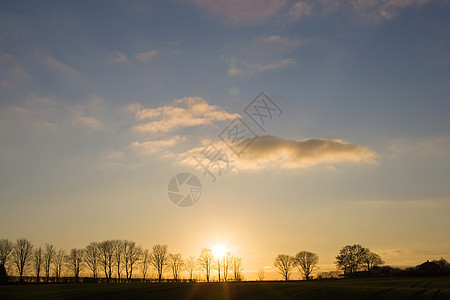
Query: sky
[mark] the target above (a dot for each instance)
(102, 103)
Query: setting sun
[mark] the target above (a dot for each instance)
(219, 251)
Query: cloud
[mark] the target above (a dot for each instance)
(117, 57)
(374, 11)
(242, 11)
(278, 153)
(261, 54)
(40, 114)
(184, 112)
(296, 12)
(60, 67)
(156, 146)
(146, 56)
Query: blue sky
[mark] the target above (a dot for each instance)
(78, 78)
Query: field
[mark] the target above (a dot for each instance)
(390, 288)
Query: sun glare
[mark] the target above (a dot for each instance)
(219, 251)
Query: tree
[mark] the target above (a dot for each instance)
(350, 258)
(59, 263)
(442, 262)
(306, 263)
(5, 250)
(236, 266)
(261, 274)
(48, 257)
(75, 261)
(159, 259)
(145, 263)
(205, 261)
(106, 250)
(371, 259)
(226, 266)
(92, 257)
(119, 255)
(37, 262)
(190, 267)
(132, 255)
(176, 264)
(284, 265)
(22, 252)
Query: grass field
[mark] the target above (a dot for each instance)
(385, 288)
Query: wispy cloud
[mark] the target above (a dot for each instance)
(156, 146)
(117, 57)
(184, 112)
(242, 11)
(261, 54)
(146, 56)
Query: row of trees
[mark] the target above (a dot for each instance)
(351, 259)
(119, 258)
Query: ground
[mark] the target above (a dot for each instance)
(382, 288)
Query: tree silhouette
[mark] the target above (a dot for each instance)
(59, 263)
(6, 248)
(159, 259)
(37, 262)
(284, 265)
(91, 257)
(145, 263)
(107, 249)
(176, 263)
(236, 266)
(190, 267)
(306, 263)
(118, 256)
(132, 256)
(371, 259)
(261, 274)
(350, 258)
(205, 261)
(49, 254)
(22, 252)
(75, 261)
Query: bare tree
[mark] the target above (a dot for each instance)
(37, 262)
(176, 263)
(75, 261)
(205, 261)
(106, 250)
(371, 259)
(132, 255)
(261, 274)
(218, 266)
(119, 256)
(237, 268)
(59, 263)
(159, 259)
(21, 253)
(190, 267)
(145, 263)
(92, 258)
(6, 247)
(226, 265)
(306, 263)
(48, 257)
(284, 265)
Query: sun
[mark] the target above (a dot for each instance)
(219, 251)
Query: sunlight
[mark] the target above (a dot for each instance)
(219, 251)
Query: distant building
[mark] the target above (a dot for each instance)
(429, 267)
